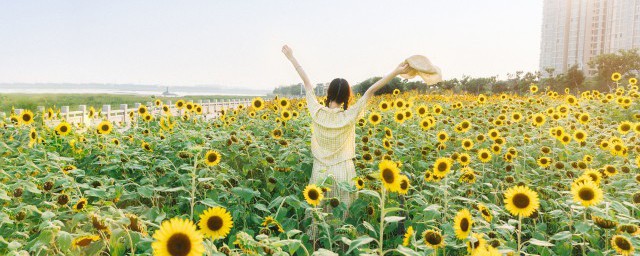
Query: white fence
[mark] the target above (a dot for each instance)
(210, 109)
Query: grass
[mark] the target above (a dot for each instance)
(32, 101)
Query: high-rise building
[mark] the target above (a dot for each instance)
(575, 31)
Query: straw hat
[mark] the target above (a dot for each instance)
(421, 66)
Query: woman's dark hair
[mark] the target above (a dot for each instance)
(340, 92)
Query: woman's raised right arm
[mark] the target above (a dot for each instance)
(288, 52)
(400, 69)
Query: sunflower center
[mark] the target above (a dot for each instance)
(212, 158)
(179, 244)
(63, 129)
(80, 205)
(374, 118)
(433, 238)
(313, 194)
(214, 223)
(485, 212)
(586, 194)
(26, 118)
(464, 224)
(388, 176)
(622, 243)
(105, 127)
(442, 167)
(520, 200)
(84, 242)
(484, 155)
(404, 185)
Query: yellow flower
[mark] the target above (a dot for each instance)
(177, 237)
(359, 183)
(212, 158)
(80, 205)
(433, 239)
(616, 76)
(484, 155)
(485, 212)
(404, 185)
(375, 118)
(442, 166)
(586, 192)
(84, 241)
(389, 175)
(521, 201)
(407, 236)
(105, 127)
(622, 245)
(462, 224)
(533, 88)
(26, 117)
(216, 222)
(63, 128)
(313, 195)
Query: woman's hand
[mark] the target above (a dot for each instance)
(403, 68)
(288, 52)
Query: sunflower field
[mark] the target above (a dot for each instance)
(547, 173)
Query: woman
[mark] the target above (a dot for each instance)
(333, 128)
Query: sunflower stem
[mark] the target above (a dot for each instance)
(193, 185)
(584, 241)
(382, 213)
(519, 232)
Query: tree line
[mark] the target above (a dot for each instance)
(601, 67)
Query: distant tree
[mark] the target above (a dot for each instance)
(623, 62)
(573, 79)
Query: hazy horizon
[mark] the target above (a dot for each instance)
(237, 44)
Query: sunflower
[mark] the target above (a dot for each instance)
(404, 185)
(389, 173)
(485, 212)
(407, 236)
(146, 146)
(462, 224)
(177, 237)
(375, 118)
(180, 104)
(544, 162)
(587, 193)
(33, 135)
(26, 117)
(384, 105)
(584, 118)
(313, 195)
(283, 103)
(464, 159)
(286, 115)
(484, 155)
(50, 113)
(276, 133)
(433, 239)
(580, 135)
(80, 205)
(142, 110)
(478, 243)
(216, 222)
(538, 119)
(593, 175)
(442, 136)
(625, 127)
(257, 103)
(533, 88)
(212, 158)
(63, 128)
(105, 127)
(399, 117)
(616, 76)
(467, 144)
(166, 110)
(83, 241)
(622, 245)
(521, 201)
(442, 166)
(359, 183)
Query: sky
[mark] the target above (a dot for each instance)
(238, 43)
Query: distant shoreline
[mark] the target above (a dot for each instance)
(31, 101)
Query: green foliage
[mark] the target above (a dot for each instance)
(623, 62)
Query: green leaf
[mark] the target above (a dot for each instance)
(370, 192)
(246, 193)
(48, 215)
(359, 242)
(582, 227)
(407, 251)
(563, 235)
(392, 219)
(540, 242)
(64, 240)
